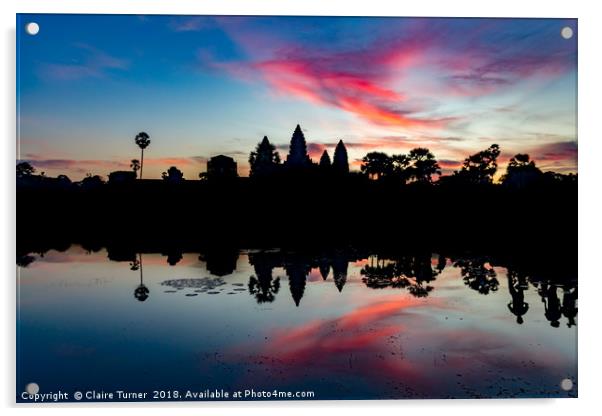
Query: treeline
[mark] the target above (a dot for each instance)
(418, 166)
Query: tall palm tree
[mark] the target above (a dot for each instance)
(142, 140)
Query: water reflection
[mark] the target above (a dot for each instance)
(411, 272)
(141, 293)
(349, 323)
(263, 285)
(478, 274)
(415, 272)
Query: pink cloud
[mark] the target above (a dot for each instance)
(380, 81)
(387, 343)
(356, 81)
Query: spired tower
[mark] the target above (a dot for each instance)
(340, 161)
(325, 163)
(297, 154)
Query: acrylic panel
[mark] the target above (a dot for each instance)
(295, 208)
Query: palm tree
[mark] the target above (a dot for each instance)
(264, 160)
(135, 166)
(377, 165)
(142, 140)
(423, 165)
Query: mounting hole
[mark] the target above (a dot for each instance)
(32, 28)
(32, 388)
(566, 384)
(566, 32)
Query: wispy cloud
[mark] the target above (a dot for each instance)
(93, 63)
(190, 24)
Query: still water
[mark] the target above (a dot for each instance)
(340, 326)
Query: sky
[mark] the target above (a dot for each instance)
(207, 85)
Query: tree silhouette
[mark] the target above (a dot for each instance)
(142, 139)
(264, 160)
(92, 181)
(521, 172)
(24, 169)
(173, 175)
(423, 165)
(325, 164)
(135, 166)
(297, 155)
(480, 167)
(400, 167)
(64, 179)
(377, 165)
(340, 161)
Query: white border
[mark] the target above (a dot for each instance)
(590, 152)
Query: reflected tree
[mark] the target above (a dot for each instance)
(441, 263)
(262, 285)
(141, 292)
(478, 274)
(174, 257)
(379, 273)
(516, 287)
(549, 297)
(25, 260)
(220, 261)
(569, 305)
(411, 272)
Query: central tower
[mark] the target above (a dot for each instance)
(297, 154)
